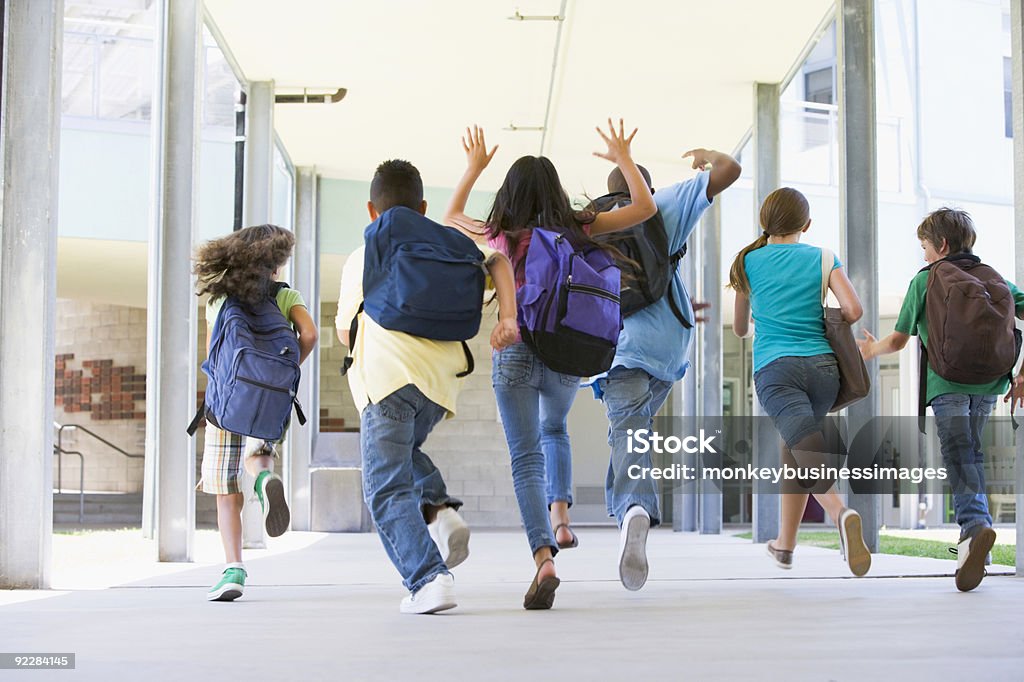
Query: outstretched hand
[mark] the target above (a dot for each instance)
(477, 156)
(618, 143)
(698, 306)
(866, 345)
(700, 158)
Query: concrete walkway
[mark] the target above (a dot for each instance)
(325, 607)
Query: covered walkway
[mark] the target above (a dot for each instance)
(325, 606)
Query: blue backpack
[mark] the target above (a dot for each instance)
(569, 311)
(253, 370)
(421, 278)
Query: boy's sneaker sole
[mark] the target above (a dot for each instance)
(276, 517)
(971, 573)
(633, 567)
(458, 547)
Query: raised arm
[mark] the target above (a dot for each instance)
(477, 158)
(725, 170)
(642, 204)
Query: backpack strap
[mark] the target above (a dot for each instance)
(922, 386)
(346, 364)
(353, 329)
(197, 420)
(673, 260)
(470, 364)
(299, 414)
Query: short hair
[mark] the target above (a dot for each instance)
(617, 182)
(396, 183)
(951, 224)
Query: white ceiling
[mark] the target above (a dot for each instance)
(418, 72)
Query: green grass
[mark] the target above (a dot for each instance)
(888, 544)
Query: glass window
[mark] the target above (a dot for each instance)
(819, 86)
(1008, 97)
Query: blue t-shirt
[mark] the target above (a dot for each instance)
(653, 339)
(785, 301)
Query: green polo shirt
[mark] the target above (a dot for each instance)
(912, 321)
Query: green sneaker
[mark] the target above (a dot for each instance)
(230, 587)
(270, 492)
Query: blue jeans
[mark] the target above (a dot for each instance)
(399, 480)
(534, 403)
(631, 397)
(797, 393)
(960, 420)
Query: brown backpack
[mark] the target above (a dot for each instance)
(972, 338)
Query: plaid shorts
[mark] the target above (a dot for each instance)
(223, 455)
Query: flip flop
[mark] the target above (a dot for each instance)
(575, 542)
(541, 595)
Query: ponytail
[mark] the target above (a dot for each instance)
(738, 272)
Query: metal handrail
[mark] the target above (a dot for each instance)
(58, 449)
(60, 452)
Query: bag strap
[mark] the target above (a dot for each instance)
(827, 260)
(922, 386)
(197, 420)
(470, 364)
(353, 329)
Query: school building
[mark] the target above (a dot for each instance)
(135, 129)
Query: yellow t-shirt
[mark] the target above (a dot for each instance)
(385, 360)
(286, 299)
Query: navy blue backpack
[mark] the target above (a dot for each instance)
(253, 370)
(569, 310)
(421, 278)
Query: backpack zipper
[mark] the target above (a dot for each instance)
(260, 384)
(593, 291)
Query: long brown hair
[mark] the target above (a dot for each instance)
(243, 263)
(784, 211)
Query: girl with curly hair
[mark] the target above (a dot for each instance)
(245, 265)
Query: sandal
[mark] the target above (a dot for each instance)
(541, 595)
(575, 542)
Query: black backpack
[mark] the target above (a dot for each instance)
(646, 245)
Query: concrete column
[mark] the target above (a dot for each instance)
(307, 281)
(1017, 42)
(259, 153)
(710, 341)
(31, 101)
(684, 502)
(259, 173)
(858, 201)
(172, 320)
(767, 178)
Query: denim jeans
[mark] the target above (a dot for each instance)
(797, 393)
(631, 397)
(399, 479)
(960, 420)
(534, 403)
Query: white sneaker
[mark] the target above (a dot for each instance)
(451, 535)
(437, 595)
(851, 542)
(633, 548)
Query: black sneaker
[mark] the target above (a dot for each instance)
(971, 552)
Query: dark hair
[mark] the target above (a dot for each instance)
(243, 263)
(617, 181)
(951, 224)
(784, 211)
(396, 183)
(532, 196)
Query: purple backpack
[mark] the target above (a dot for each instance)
(568, 306)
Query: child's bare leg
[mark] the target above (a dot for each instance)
(559, 513)
(229, 522)
(792, 507)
